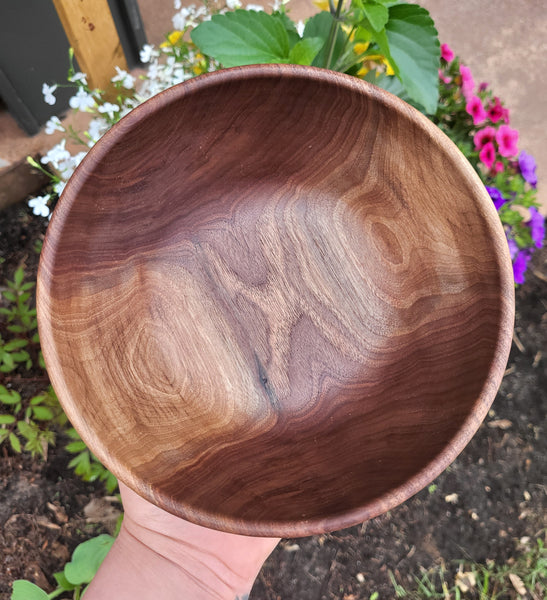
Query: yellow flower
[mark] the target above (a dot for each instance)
(369, 61)
(389, 68)
(322, 4)
(361, 47)
(172, 39)
(200, 66)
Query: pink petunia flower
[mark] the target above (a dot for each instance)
(495, 111)
(506, 115)
(507, 139)
(468, 83)
(498, 167)
(475, 108)
(488, 155)
(483, 136)
(447, 53)
(444, 78)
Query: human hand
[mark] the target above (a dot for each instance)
(158, 555)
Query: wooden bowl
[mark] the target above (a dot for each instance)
(275, 300)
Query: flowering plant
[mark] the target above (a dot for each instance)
(479, 123)
(389, 43)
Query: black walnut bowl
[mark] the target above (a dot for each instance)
(275, 300)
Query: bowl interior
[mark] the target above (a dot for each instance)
(275, 301)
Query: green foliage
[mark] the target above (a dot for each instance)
(243, 38)
(86, 560)
(86, 465)
(414, 48)
(401, 36)
(18, 328)
(29, 421)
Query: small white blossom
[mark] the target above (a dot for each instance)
(59, 187)
(82, 100)
(80, 78)
(147, 53)
(56, 155)
(300, 28)
(109, 109)
(96, 129)
(127, 80)
(233, 4)
(47, 91)
(54, 124)
(39, 205)
(177, 4)
(255, 7)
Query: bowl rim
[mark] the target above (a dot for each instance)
(380, 504)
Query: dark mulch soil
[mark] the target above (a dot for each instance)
(482, 507)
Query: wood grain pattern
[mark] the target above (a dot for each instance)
(275, 300)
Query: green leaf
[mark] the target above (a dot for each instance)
(73, 434)
(19, 276)
(7, 419)
(14, 442)
(377, 15)
(75, 447)
(304, 51)
(289, 25)
(36, 400)
(87, 559)
(9, 296)
(243, 38)
(9, 396)
(15, 345)
(319, 26)
(4, 433)
(42, 413)
(414, 49)
(26, 430)
(16, 329)
(63, 582)
(25, 590)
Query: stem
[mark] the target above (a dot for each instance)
(333, 33)
(77, 593)
(55, 593)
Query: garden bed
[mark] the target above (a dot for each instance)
(489, 505)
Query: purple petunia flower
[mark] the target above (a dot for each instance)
(527, 165)
(513, 248)
(520, 265)
(537, 226)
(496, 196)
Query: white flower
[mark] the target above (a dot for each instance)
(109, 109)
(59, 187)
(47, 91)
(233, 4)
(127, 80)
(39, 205)
(278, 4)
(82, 100)
(57, 154)
(95, 129)
(184, 18)
(54, 124)
(177, 4)
(80, 78)
(147, 53)
(255, 7)
(300, 28)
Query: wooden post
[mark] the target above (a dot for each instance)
(90, 29)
